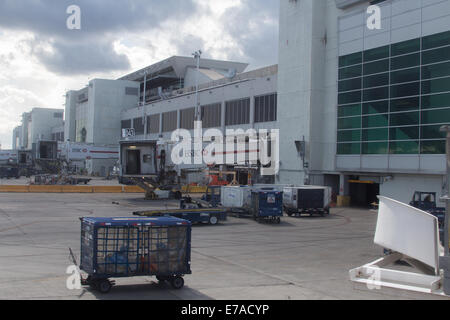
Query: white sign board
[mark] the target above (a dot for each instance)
(128, 133)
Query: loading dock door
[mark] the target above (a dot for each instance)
(133, 162)
(364, 193)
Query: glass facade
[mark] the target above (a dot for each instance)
(394, 99)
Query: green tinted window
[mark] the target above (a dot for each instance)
(376, 94)
(375, 121)
(405, 47)
(404, 133)
(376, 54)
(404, 119)
(349, 148)
(436, 86)
(350, 97)
(376, 107)
(350, 59)
(375, 148)
(404, 147)
(436, 70)
(407, 75)
(436, 40)
(349, 123)
(349, 136)
(436, 116)
(405, 104)
(378, 80)
(375, 134)
(405, 90)
(433, 147)
(432, 132)
(403, 62)
(349, 85)
(350, 72)
(436, 101)
(349, 111)
(376, 67)
(438, 55)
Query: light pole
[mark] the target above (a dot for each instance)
(197, 55)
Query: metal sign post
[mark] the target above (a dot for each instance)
(445, 260)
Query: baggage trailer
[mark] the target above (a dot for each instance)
(134, 247)
(237, 200)
(208, 215)
(307, 200)
(267, 206)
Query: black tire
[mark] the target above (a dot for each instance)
(177, 283)
(278, 220)
(104, 286)
(213, 220)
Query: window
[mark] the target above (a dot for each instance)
(436, 40)
(375, 134)
(237, 112)
(376, 67)
(349, 111)
(376, 121)
(126, 124)
(349, 148)
(350, 72)
(349, 136)
(212, 115)
(436, 101)
(138, 125)
(349, 85)
(404, 119)
(436, 116)
(376, 107)
(349, 123)
(153, 124)
(187, 118)
(404, 147)
(433, 147)
(432, 132)
(376, 94)
(438, 55)
(405, 104)
(405, 47)
(350, 97)
(403, 62)
(407, 75)
(376, 54)
(436, 86)
(169, 121)
(377, 80)
(266, 108)
(58, 115)
(405, 90)
(436, 70)
(404, 133)
(375, 148)
(350, 59)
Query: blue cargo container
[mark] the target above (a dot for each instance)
(132, 247)
(267, 205)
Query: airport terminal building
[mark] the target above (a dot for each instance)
(368, 103)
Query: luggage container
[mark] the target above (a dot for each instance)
(133, 247)
(267, 205)
(236, 198)
(307, 200)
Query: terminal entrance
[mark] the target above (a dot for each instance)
(363, 193)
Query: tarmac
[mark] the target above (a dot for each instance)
(302, 258)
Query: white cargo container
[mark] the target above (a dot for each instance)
(236, 197)
(307, 200)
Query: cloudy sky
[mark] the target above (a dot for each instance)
(40, 59)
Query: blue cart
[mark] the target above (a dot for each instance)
(203, 215)
(133, 247)
(267, 205)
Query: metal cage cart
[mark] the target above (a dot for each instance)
(133, 247)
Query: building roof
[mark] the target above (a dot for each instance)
(180, 64)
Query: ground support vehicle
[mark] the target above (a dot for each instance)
(307, 200)
(201, 215)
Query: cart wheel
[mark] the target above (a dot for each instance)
(278, 220)
(213, 220)
(177, 283)
(104, 286)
